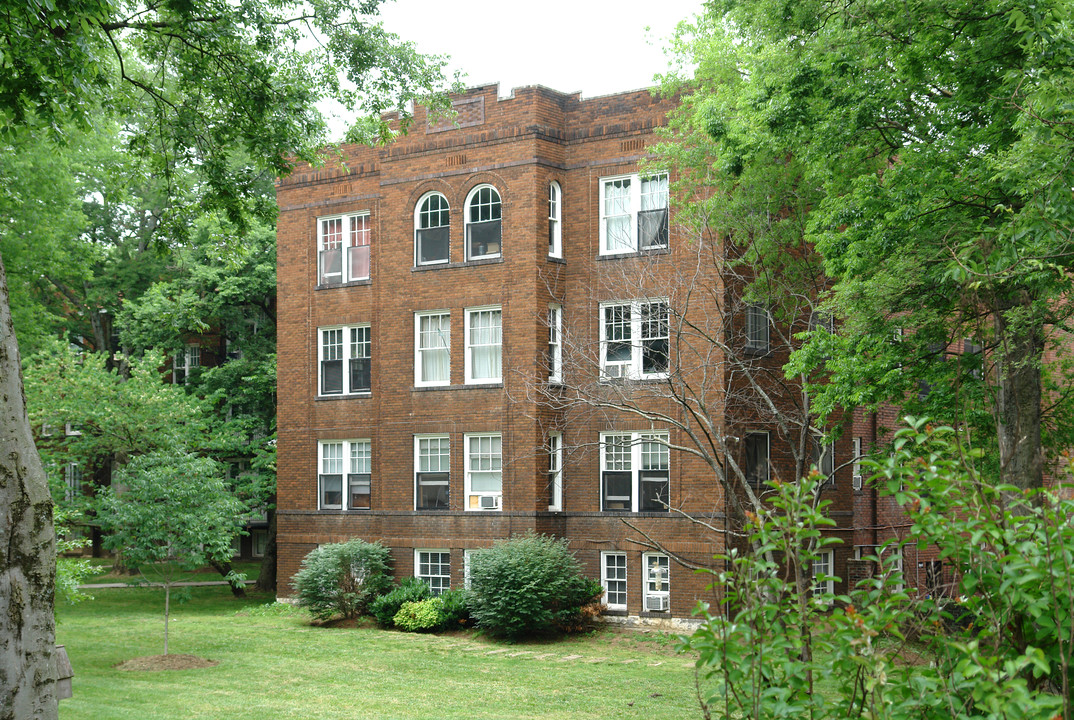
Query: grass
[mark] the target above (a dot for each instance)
(104, 572)
(273, 664)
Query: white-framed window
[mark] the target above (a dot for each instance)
(823, 570)
(184, 362)
(635, 472)
(432, 230)
(346, 472)
(432, 472)
(72, 479)
(555, 343)
(432, 348)
(823, 457)
(484, 471)
(258, 541)
(758, 458)
(857, 481)
(434, 567)
(891, 565)
(555, 470)
(484, 341)
(758, 321)
(484, 223)
(345, 360)
(555, 220)
(613, 576)
(634, 339)
(633, 213)
(657, 582)
(343, 248)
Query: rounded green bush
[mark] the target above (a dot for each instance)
(342, 578)
(421, 616)
(387, 606)
(531, 584)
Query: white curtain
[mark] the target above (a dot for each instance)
(617, 215)
(485, 345)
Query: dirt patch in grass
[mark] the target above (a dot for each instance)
(172, 661)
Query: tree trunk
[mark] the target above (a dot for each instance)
(224, 568)
(266, 579)
(28, 555)
(1018, 358)
(167, 612)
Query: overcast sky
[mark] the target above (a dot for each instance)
(567, 45)
(597, 48)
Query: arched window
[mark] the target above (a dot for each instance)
(432, 229)
(483, 223)
(555, 209)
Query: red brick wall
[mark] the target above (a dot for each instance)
(517, 144)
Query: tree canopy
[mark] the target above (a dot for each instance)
(930, 145)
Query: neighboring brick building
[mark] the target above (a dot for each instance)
(435, 293)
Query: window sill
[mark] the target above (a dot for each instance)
(757, 351)
(352, 283)
(337, 511)
(554, 259)
(475, 386)
(634, 253)
(619, 612)
(349, 396)
(468, 263)
(654, 614)
(629, 379)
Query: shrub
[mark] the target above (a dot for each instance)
(527, 585)
(422, 616)
(387, 606)
(342, 578)
(456, 609)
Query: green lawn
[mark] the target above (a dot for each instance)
(275, 665)
(103, 572)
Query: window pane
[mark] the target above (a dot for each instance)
(359, 491)
(433, 491)
(358, 262)
(653, 228)
(485, 340)
(483, 238)
(433, 245)
(331, 270)
(617, 490)
(655, 490)
(331, 491)
(331, 377)
(360, 375)
(757, 458)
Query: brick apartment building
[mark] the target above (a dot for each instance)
(438, 297)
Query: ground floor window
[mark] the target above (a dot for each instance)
(823, 568)
(613, 568)
(434, 567)
(657, 582)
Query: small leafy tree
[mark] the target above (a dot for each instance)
(1002, 649)
(342, 578)
(168, 511)
(530, 584)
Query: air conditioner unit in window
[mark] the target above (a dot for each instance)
(614, 371)
(657, 603)
(857, 482)
(490, 502)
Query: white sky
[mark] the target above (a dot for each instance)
(597, 48)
